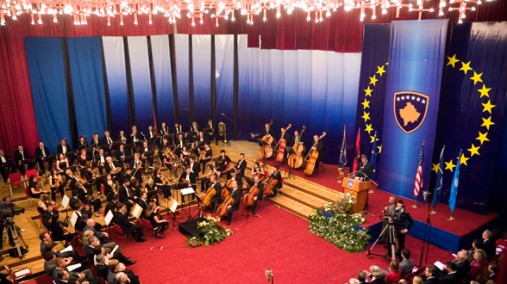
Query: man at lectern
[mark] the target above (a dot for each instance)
(365, 168)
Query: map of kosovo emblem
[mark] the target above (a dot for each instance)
(410, 109)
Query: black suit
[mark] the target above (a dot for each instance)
(18, 158)
(489, 247)
(236, 194)
(128, 227)
(59, 149)
(260, 186)
(5, 167)
(240, 168)
(432, 280)
(452, 278)
(365, 170)
(125, 196)
(462, 268)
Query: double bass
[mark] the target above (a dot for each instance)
(282, 143)
(266, 142)
(296, 159)
(312, 157)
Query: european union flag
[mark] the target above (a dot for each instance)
(454, 186)
(373, 158)
(437, 192)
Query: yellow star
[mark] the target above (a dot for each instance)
(372, 139)
(369, 128)
(476, 78)
(381, 70)
(435, 167)
(463, 160)
(474, 150)
(379, 147)
(484, 91)
(465, 67)
(452, 61)
(482, 137)
(487, 107)
(366, 103)
(373, 80)
(366, 116)
(486, 122)
(367, 91)
(450, 166)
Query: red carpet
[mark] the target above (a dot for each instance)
(468, 221)
(277, 240)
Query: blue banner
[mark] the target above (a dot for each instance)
(416, 58)
(182, 72)
(114, 57)
(85, 56)
(201, 55)
(49, 90)
(163, 79)
(372, 85)
(224, 76)
(141, 82)
(472, 113)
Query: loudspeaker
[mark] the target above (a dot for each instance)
(189, 228)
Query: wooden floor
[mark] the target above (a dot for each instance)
(298, 196)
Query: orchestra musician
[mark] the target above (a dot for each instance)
(128, 227)
(179, 144)
(185, 156)
(317, 146)
(200, 140)
(34, 188)
(293, 141)
(152, 134)
(205, 183)
(217, 199)
(41, 153)
(147, 153)
(20, 155)
(85, 196)
(63, 147)
(161, 183)
(260, 186)
(159, 224)
(5, 165)
(110, 188)
(95, 143)
(124, 193)
(205, 157)
(122, 138)
(236, 194)
(123, 155)
(222, 163)
(210, 133)
(107, 141)
(241, 166)
(277, 175)
(177, 129)
(164, 130)
(100, 159)
(194, 130)
(137, 168)
(189, 178)
(112, 169)
(135, 137)
(82, 144)
(62, 163)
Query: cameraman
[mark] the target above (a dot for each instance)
(402, 222)
(6, 213)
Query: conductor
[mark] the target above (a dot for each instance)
(365, 168)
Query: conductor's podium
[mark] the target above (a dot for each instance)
(358, 189)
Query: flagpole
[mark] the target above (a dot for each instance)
(454, 188)
(439, 183)
(419, 176)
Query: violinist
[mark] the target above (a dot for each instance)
(205, 157)
(162, 183)
(85, 196)
(159, 224)
(62, 163)
(236, 194)
(147, 153)
(188, 177)
(56, 184)
(125, 195)
(193, 165)
(200, 140)
(222, 162)
(259, 196)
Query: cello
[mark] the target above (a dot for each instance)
(250, 197)
(282, 143)
(222, 209)
(270, 186)
(210, 193)
(296, 159)
(266, 142)
(312, 157)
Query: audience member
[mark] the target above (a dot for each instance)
(394, 274)
(431, 275)
(478, 263)
(417, 280)
(452, 276)
(488, 244)
(406, 264)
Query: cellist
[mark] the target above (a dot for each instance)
(218, 188)
(276, 175)
(236, 195)
(257, 198)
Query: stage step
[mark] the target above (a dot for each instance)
(293, 206)
(303, 197)
(314, 189)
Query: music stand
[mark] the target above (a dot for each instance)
(65, 204)
(107, 219)
(172, 206)
(185, 192)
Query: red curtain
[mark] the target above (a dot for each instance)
(341, 32)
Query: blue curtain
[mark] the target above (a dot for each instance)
(224, 58)
(85, 56)
(472, 110)
(49, 90)
(182, 72)
(141, 84)
(201, 54)
(163, 79)
(114, 56)
(415, 66)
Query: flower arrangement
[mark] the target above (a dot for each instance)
(211, 233)
(338, 225)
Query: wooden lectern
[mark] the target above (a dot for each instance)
(358, 189)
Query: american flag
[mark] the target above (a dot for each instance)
(418, 175)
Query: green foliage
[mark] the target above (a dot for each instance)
(342, 228)
(211, 233)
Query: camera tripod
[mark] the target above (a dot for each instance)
(389, 235)
(14, 231)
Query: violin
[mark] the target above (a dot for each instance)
(250, 198)
(282, 143)
(270, 186)
(312, 157)
(296, 159)
(222, 209)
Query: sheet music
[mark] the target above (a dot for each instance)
(439, 265)
(73, 219)
(173, 205)
(109, 217)
(187, 191)
(65, 201)
(22, 272)
(69, 248)
(114, 250)
(73, 266)
(136, 211)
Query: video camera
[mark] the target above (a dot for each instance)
(11, 210)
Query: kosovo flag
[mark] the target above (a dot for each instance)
(454, 186)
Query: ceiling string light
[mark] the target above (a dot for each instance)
(316, 10)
